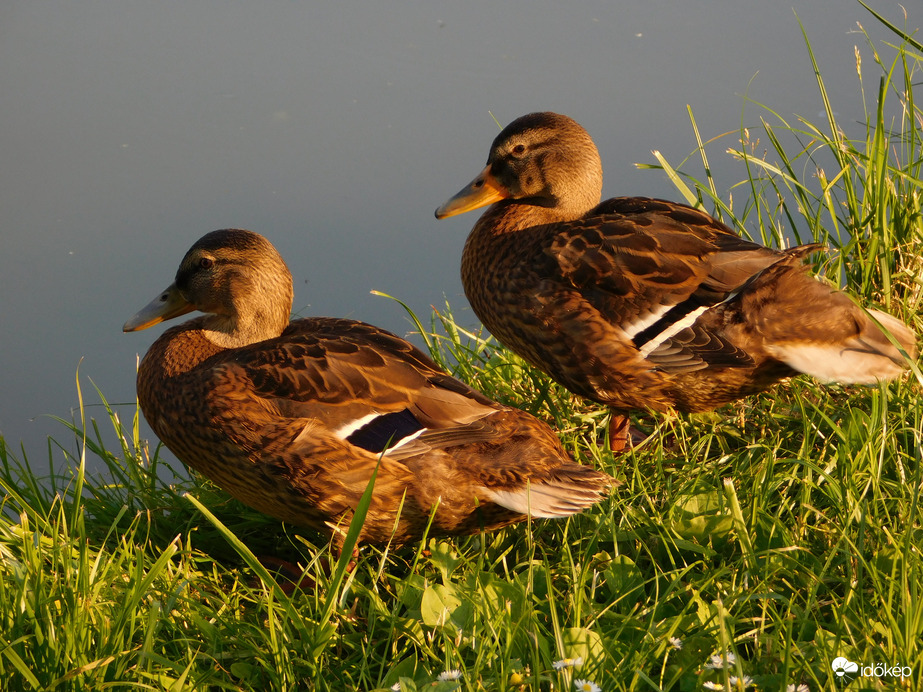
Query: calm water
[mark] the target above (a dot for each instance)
(129, 129)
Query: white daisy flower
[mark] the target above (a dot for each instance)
(586, 686)
(396, 687)
(797, 688)
(712, 685)
(676, 642)
(740, 683)
(719, 661)
(567, 663)
(449, 675)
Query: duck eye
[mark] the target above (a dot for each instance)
(206, 263)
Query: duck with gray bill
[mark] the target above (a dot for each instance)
(293, 417)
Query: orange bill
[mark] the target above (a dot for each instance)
(483, 190)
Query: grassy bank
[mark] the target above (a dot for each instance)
(746, 548)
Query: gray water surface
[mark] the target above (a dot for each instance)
(131, 128)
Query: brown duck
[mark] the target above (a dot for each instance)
(640, 303)
(292, 418)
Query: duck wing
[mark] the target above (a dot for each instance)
(653, 267)
(362, 384)
(327, 402)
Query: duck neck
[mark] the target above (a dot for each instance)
(248, 317)
(243, 329)
(510, 216)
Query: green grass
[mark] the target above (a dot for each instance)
(785, 531)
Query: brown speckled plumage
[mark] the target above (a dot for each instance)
(640, 303)
(289, 417)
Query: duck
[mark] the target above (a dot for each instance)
(293, 417)
(645, 304)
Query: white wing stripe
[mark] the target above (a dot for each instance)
(640, 325)
(672, 330)
(354, 425)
